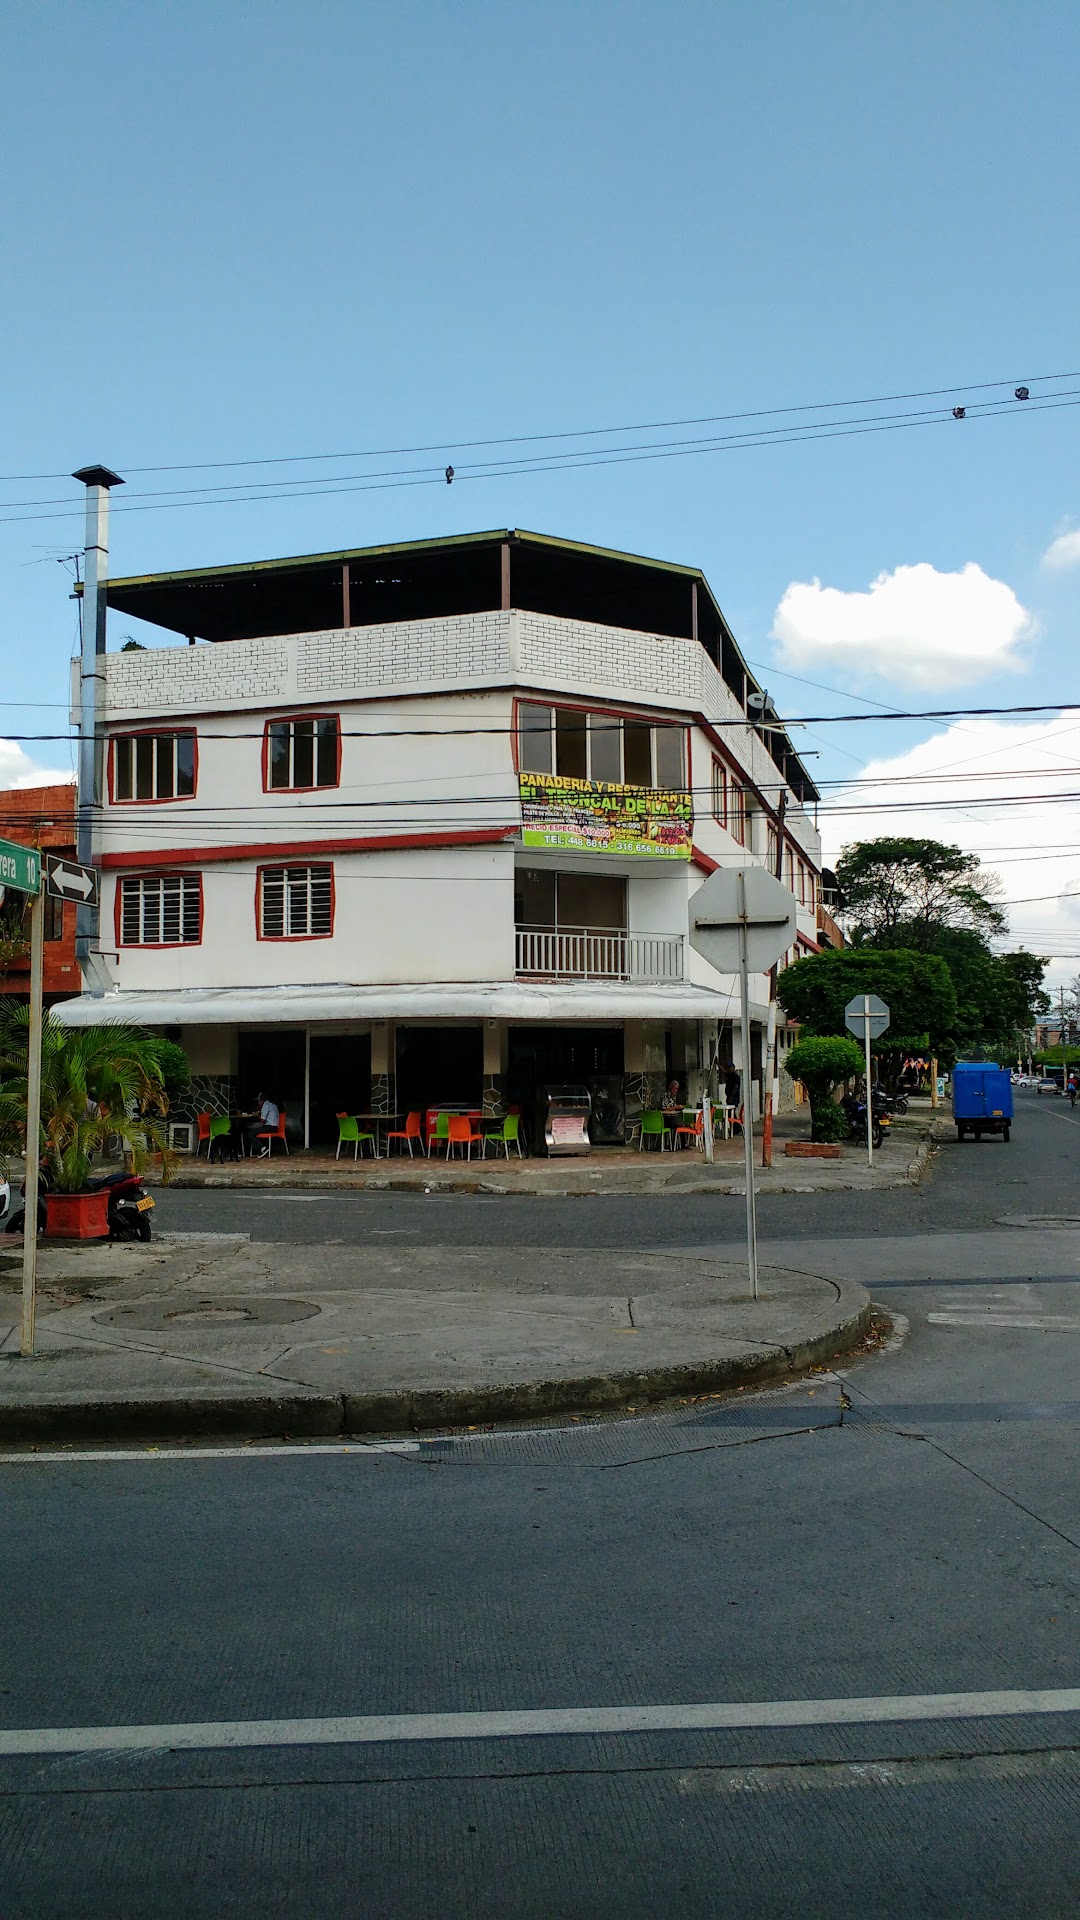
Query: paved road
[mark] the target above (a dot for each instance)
(1036, 1173)
(726, 1556)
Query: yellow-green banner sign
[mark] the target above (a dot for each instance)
(596, 816)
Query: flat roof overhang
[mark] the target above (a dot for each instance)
(308, 1006)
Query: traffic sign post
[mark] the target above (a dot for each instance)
(867, 1016)
(20, 870)
(66, 880)
(742, 920)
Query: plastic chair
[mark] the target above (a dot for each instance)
(411, 1133)
(461, 1133)
(441, 1135)
(694, 1133)
(349, 1132)
(505, 1136)
(652, 1128)
(202, 1121)
(277, 1133)
(220, 1129)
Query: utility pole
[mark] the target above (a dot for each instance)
(771, 1077)
(97, 481)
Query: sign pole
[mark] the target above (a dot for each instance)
(33, 1122)
(869, 1095)
(747, 1091)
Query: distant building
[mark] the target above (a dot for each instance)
(42, 817)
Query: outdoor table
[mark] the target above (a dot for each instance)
(377, 1120)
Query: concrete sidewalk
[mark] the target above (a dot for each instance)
(900, 1162)
(211, 1334)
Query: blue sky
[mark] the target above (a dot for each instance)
(234, 232)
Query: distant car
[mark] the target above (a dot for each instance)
(1048, 1086)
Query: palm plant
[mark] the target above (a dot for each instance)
(97, 1083)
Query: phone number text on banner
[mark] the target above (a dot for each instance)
(596, 816)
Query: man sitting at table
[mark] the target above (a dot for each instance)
(267, 1122)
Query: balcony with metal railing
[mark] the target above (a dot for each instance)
(597, 953)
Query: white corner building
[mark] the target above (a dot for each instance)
(421, 823)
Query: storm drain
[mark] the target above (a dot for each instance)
(185, 1314)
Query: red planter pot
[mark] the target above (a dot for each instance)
(77, 1216)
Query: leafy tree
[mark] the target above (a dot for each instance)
(915, 887)
(172, 1064)
(821, 1062)
(916, 987)
(96, 1082)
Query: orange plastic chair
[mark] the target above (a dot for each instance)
(411, 1133)
(461, 1133)
(695, 1133)
(202, 1121)
(277, 1134)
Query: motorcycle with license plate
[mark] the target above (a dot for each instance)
(129, 1206)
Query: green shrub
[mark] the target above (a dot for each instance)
(821, 1062)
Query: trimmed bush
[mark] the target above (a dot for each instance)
(821, 1062)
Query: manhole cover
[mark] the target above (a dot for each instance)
(189, 1314)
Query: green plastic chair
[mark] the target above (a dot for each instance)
(220, 1129)
(505, 1136)
(652, 1128)
(441, 1135)
(349, 1131)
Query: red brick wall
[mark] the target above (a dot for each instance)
(44, 817)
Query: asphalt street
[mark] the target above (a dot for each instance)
(821, 1642)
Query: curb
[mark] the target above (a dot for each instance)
(340, 1415)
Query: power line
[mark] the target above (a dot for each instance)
(578, 433)
(557, 464)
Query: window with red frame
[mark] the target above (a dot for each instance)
(303, 753)
(719, 793)
(296, 903)
(153, 766)
(737, 812)
(161, 910)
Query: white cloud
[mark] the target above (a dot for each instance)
(18, 770)
(1009, 800)
(1063, 552)
(914, 627)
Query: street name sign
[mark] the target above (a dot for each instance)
(20, 867)
(735, 900)
(866, 1016)
(69, 881)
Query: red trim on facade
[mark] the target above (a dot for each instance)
(287, 719)
(280, 939)
(274, 851)
(158, 733)
(703, 860)
(153, 946)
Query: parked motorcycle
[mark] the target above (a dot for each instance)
(129, 1206)
(856, 1114)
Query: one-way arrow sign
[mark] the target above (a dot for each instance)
(68, 881)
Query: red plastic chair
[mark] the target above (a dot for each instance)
(461, 1133)
(202, 1121)
(277, 1134)
(412, 1132)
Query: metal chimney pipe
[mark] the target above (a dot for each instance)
(97, 481)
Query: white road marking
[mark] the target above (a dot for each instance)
(556, 1722)
(289, 1450)
(1040, 1322)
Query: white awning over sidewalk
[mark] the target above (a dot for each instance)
(553, 1001)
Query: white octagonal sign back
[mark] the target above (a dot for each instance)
(731, 898)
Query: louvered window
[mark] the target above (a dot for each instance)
(296, 903)
(161, 910)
